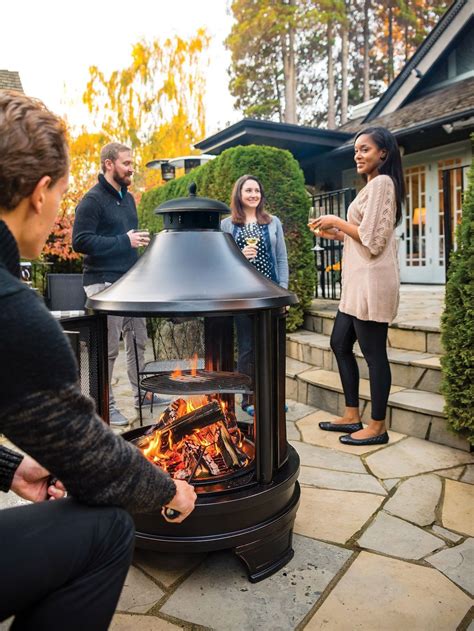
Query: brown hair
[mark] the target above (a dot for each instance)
(111, 152)
(32, 144)
(238, 213)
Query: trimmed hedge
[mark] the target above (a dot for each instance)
(457, 325)
(287, 198)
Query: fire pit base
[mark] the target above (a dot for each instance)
(255, 522)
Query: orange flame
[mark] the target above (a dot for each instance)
(170, 455)
(194, 363)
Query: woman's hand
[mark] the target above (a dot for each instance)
(250, 252)
(332, 234)
(33, 482)
(326, 222)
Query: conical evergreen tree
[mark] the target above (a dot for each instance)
(457, 325)
(283, 182)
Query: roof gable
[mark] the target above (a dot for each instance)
(424, 58)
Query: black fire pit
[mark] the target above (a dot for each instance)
(248, 503)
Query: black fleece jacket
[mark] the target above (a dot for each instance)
(43, 411)
(103, 218)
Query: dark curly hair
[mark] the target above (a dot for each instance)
(32, 144)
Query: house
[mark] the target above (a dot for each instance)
(10, 81)
(430, 109)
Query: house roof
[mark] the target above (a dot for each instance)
(429, 51)
(10, 81)
(300, 140)
(448, 104)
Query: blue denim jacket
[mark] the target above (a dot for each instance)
(275, 239)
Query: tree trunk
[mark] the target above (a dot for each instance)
(331, 95)
(366, 74)
(390, 71)
(344, 66)
(289, 68)
(277, 90)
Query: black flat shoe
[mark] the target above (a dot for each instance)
(373, 440)
(341, 427)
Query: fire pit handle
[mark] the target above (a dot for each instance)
(171, 513)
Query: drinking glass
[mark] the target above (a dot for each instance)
(253, 241)
(314, 213)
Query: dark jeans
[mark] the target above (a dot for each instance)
(63, 565)
(372, 338)
(245, 343)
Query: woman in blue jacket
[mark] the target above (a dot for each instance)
(260, 237)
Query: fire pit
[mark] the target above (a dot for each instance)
(245, 475)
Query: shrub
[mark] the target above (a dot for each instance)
(287, 198)
(457, 325)
(58, 248)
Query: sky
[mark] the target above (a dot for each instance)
(52, 43)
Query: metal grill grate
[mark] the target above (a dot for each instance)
(204, 382)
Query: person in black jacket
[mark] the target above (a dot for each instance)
(63, 562)
(105, 231)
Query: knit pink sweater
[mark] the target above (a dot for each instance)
(370, 275)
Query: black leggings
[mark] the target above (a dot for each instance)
(372, 338)
(63, 564)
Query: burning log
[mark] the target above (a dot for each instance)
(202, 442)
(180, 425)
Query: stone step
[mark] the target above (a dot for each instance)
(413, 412)
(410, 369)
(415, 335)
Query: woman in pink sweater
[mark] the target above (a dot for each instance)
(370, 282)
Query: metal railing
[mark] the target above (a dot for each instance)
(328, 254)
(451, 177)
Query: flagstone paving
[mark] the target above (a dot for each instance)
(398, 538)
(334, 515)
(378, 593)
(218, 594)
(416, 499)
(413, 456)
(457, 564)
(381, 543)
(458, 507)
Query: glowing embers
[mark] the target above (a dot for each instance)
(197, 438)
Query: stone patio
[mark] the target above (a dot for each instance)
(384, 540)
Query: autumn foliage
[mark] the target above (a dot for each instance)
(155, 105)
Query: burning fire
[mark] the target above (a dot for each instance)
(197, 437)
(177, 374)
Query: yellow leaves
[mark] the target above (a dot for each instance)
(155, 105)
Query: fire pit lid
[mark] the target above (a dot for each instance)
(192, 203)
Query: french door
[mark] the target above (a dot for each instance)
(421, 231)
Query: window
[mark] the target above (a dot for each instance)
(415, 216)
(456, 200)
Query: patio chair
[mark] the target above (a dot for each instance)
(65, 292)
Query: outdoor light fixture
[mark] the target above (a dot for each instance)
(168, 171)
(463, 123)
(190, 162)
(168, 166)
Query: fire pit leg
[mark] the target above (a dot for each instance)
(265, 557)
(272, 547)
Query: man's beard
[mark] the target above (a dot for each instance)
(121, 181)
